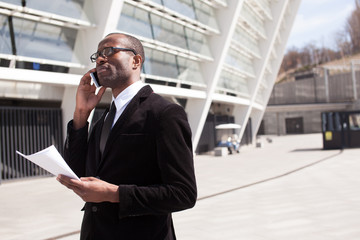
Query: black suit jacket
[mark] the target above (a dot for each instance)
(149, 155)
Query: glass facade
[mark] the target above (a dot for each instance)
(157, 1)
(66, 8)
(46, 41)
(197, 42)
(160, 63)
(167, 65)
(193, 9)
(149, 25)
(37, 40)
(252, 19)
(205, 14)
(264, 4)
(185, 7)
(136, 21)
(5, 43)
(240, 62)
(244, 39)
(234, 83)
(189, 71)
(168, 32)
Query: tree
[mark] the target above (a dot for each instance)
(290, 60)
(353, 28)
(347, 44)
(343, 43)
(306, 55)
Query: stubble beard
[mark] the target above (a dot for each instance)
(115, 80)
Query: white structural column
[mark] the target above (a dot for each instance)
(266, 46)
(284, 32)
(198, 109)
(105, 16)
(353, 78)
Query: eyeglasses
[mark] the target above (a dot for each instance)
(108, 51)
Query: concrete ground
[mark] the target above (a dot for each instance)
(287, 189)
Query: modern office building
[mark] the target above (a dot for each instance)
(217, 58)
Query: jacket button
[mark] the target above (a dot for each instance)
(94, 208)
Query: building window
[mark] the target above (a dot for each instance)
(197, 42)
(168, 32)
(193, 9)
(160, 64)
(5, 43)
(166, 65)
(233, 83)
(139, 22)
(36, 40)
(185, 7)
(189, 71)
(158, 1)
(205, 14)
(245, 40)
(67, 8)
(136, 21)
(239, 62)
(253, 20)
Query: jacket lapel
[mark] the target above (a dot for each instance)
(124, 118)
(130, 109)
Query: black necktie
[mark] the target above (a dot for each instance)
(107, 127)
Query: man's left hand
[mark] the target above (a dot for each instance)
(91, 189)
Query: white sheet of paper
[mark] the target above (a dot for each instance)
(51, 160)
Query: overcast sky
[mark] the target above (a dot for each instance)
(318, 20)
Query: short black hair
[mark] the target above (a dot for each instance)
(133, 43)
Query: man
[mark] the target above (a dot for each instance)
(144, 171)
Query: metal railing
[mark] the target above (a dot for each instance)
(333, 89)
(27, 130)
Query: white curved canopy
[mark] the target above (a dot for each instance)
(228, 126)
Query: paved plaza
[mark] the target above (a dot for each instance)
(288, 189)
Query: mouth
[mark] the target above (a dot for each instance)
(101, 69)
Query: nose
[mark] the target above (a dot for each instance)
(101, 60)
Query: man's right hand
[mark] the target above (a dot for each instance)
(86, 100)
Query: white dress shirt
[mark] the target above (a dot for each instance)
(123, 99)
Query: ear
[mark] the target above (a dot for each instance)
(137, 60)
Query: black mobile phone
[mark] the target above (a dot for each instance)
(95, 79)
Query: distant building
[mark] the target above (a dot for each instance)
(295, 107)
(217, 58)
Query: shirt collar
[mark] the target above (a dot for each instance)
(127, 94)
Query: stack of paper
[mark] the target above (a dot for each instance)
(51, 160)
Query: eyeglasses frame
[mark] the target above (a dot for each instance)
(99, 54)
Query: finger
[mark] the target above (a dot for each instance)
(88, 179)
(91, 71)
(101, 92)
(79, 191)
(76, 183)
(92, 87)
(62, 178)
(69, 182)
(82, 195)
(84, 179)
(63, 182)
(86, 79)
